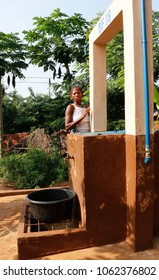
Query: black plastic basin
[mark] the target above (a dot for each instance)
(52, 204)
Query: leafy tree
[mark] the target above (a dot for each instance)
(45, 112)
(13, 105)
(27, 114)
(12, 61)
(57, 40)
(82, 79)
(115, 54)
(12, 55)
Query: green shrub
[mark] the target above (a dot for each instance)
(116, 125)
(34, 168)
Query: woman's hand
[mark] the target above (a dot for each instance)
(87, 110)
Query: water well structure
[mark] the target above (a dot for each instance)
(114, 174)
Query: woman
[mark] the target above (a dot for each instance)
(76, 116)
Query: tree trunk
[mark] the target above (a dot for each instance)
(68, 74)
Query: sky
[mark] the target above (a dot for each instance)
(17, 15)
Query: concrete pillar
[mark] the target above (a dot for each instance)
(133, 65)
(98, 87)
(139, 176)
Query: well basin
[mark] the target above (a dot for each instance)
(51, 205)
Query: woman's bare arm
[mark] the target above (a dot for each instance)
(69, 123)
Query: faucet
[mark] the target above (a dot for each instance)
(68, 157)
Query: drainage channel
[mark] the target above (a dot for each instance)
(33, 225)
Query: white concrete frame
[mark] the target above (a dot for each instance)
(126, 15)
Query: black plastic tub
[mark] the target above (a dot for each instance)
(51, 205)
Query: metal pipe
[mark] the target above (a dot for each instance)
(146, 85)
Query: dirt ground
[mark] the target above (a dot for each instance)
(10, 208)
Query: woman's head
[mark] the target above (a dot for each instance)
(78, 88)
(76, 94)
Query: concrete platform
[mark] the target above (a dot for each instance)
(10, 208)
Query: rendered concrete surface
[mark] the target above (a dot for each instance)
(10, 208)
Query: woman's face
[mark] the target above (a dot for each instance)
(76, 95)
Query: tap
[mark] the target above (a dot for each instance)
(68, 157)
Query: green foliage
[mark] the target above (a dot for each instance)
(12, 55)
(33, 169)
(155, 42)
(82, 79)
(57, 39)
(156, 96)
(115, 55)
(27, 114)
(60, 38)
(115, 102)
(116, 125)
(13, 113)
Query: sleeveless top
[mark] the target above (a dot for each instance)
(84, 125)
